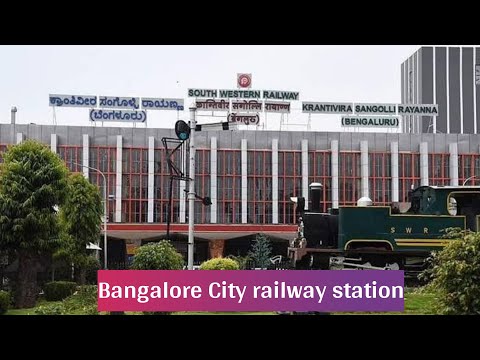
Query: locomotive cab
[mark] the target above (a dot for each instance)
(448, 201)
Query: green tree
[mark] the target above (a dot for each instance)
(80, 220)
(32, 183)
(157, 256)
(455, 273)
(261, 251)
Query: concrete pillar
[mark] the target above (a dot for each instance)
(151, 177)
(275, 181)
(305, 171)
(86, 156)
(453, 149)
(424, 164)
(334, 168)
(213, 179)
(118, 193)
(364, 168)
(244, 181)
(53, 143)
(394, 171)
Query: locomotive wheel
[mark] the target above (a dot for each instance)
(304, 263)
(320, 261)
(313, 261)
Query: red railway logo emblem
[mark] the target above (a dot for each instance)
(244, 80)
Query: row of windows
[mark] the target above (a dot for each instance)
(259, 179)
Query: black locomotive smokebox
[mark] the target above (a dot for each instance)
(320, 230)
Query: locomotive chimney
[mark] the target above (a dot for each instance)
(315, 196)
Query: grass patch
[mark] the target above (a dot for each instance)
(417, 302)
(420, 303)
(31, 311)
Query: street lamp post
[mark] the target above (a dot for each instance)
(104, 212)
(191, 192)
(468, 179)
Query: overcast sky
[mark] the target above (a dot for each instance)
(320, 73)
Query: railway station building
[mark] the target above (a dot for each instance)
(249, 176)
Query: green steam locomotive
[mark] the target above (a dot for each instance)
(400, 236)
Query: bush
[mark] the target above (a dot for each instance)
(455, 273)
(243, 261)
(82, 302)
(5, 300)
(50, 309)
(59, 290)
(220, 264)
(157, 256)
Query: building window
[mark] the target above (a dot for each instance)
(289, 184)
(135, 185)
(102, 158)
(319, 164)
(349, 178)
(202, 186)
(161, 179)
(409, 173)
(229, 184)
(439, 173)
(469, 168)
(259, 182)
(380, 178)
(72, 156)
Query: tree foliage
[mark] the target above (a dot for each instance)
(81, 214)
(32, 183)
(220, 264)
(158, 256)
(455, 273)
(80, 220)
(261, 251)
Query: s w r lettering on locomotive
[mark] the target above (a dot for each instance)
(408, 230)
